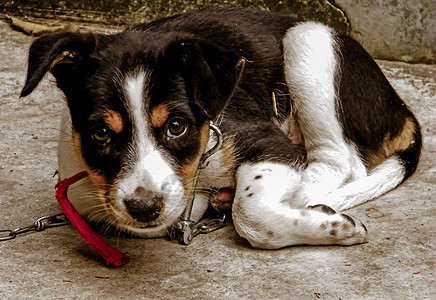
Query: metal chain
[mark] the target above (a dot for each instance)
(39, 225)
(185, 230)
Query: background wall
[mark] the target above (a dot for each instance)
(389, 29)
(394, 29)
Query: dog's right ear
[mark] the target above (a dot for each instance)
(211, 73)
(64, 54)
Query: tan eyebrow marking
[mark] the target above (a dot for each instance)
(114, 121)
(159, 115)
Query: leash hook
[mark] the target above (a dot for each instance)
(186, 229)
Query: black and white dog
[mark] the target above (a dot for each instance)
(311, 126)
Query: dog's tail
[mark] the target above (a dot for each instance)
(410, 156)
(382, 178)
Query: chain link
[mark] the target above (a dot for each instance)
(39, 225)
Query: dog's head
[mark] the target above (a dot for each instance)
(140, 107)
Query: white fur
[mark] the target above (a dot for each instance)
(216, 174)
(311, 64)
(148, 170)
(383, 178)
(265, 213)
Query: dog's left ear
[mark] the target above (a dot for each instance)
(61, 53)
(211, 75)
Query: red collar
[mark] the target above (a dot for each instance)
(112, 256)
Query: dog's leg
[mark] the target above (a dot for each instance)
(311, 71)
(265, 211)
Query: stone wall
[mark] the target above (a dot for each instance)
(394, 29)
(389, 29)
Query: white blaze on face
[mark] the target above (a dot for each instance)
(145, 167)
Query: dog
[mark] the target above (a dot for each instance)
(310, 124)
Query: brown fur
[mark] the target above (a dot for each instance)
(114, 121)
(159, 115)
(229, 156)
(65, 57)
(98, 180)
(392, 145)
(189, 171)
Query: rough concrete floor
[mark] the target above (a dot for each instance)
(397, 263)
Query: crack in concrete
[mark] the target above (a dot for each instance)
(338, 8)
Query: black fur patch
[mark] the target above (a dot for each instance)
(207, 63)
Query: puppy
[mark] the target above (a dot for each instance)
(310, 124)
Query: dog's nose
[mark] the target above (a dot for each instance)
(145, 209)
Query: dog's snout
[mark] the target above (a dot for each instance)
(145, 209)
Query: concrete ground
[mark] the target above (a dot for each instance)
(397, 263)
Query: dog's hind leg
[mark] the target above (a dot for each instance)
(337, 91)
(270, 209)
(267, 213)
(311, 65)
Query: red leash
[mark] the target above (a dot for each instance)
(112, 256)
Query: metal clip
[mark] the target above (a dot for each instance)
(185, 229)
(218, 145)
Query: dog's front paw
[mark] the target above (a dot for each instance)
(342, 229)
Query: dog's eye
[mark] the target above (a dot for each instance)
(176, 128)
(101, 135)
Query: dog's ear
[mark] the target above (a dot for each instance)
(211, 75)
(64, 54)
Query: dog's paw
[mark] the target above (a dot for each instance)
(342, 229)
